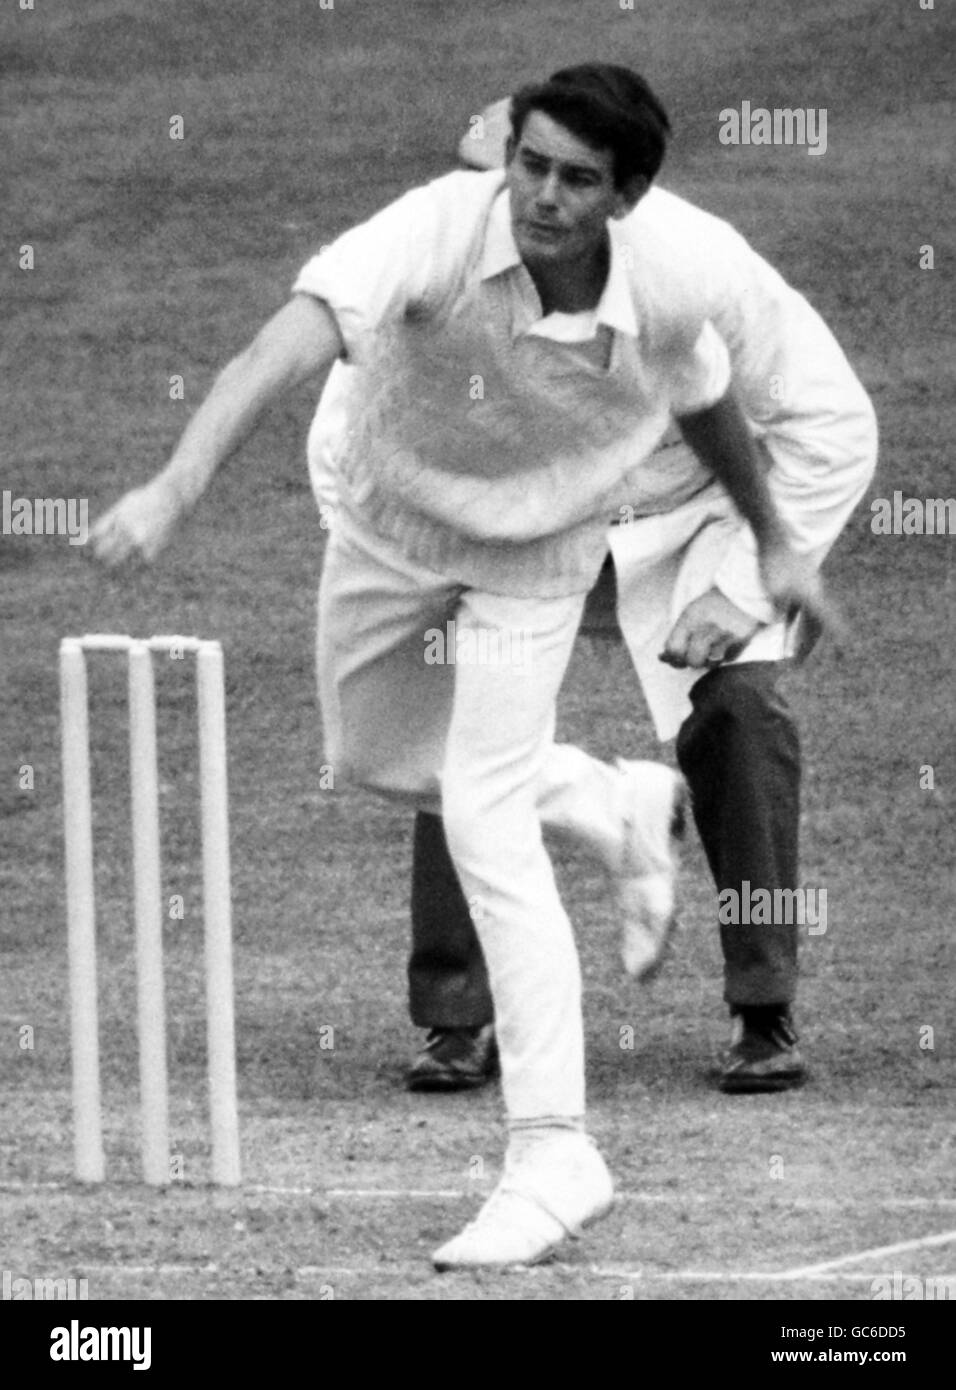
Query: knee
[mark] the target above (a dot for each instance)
(463, 817)
(350, 767)
(740, 707)
(748, 692)
(375, 759)
(365, 770)
(483, 825)
(357, 773)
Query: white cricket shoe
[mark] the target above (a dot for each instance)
(552, 1187)
(655, 804)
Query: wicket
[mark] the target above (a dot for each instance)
(89, 1159)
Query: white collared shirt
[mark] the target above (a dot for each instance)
(614, 311)
(493, 442)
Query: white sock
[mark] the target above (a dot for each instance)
(524, 1135)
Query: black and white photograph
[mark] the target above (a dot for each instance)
(476, 666)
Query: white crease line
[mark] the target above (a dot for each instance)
(388, 1194)
(282, 1191)
(734, 1276)
(398, 1194)
(148, 1269)
(483, 1189)
(392, 1271)
(876, 1252)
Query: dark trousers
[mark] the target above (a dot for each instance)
(740, 753)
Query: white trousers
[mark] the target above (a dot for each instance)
(473, 738)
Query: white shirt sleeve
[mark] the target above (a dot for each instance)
(703, 378)
(376, 273)
(810, 411)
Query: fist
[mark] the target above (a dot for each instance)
(710, 630)
(138, 526)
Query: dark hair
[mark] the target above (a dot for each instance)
(608, 108)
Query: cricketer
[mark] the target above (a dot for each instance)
(592, 312)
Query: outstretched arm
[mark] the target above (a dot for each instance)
(300, 341)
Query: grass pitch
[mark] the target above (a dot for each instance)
(156, 257)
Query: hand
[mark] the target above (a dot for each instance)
(710, 630)
(790, 581)
(795, 588)
(139, 525)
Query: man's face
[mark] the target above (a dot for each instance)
(562, 193)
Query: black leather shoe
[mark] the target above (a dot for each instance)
(455, 1059)
(763, 1054)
